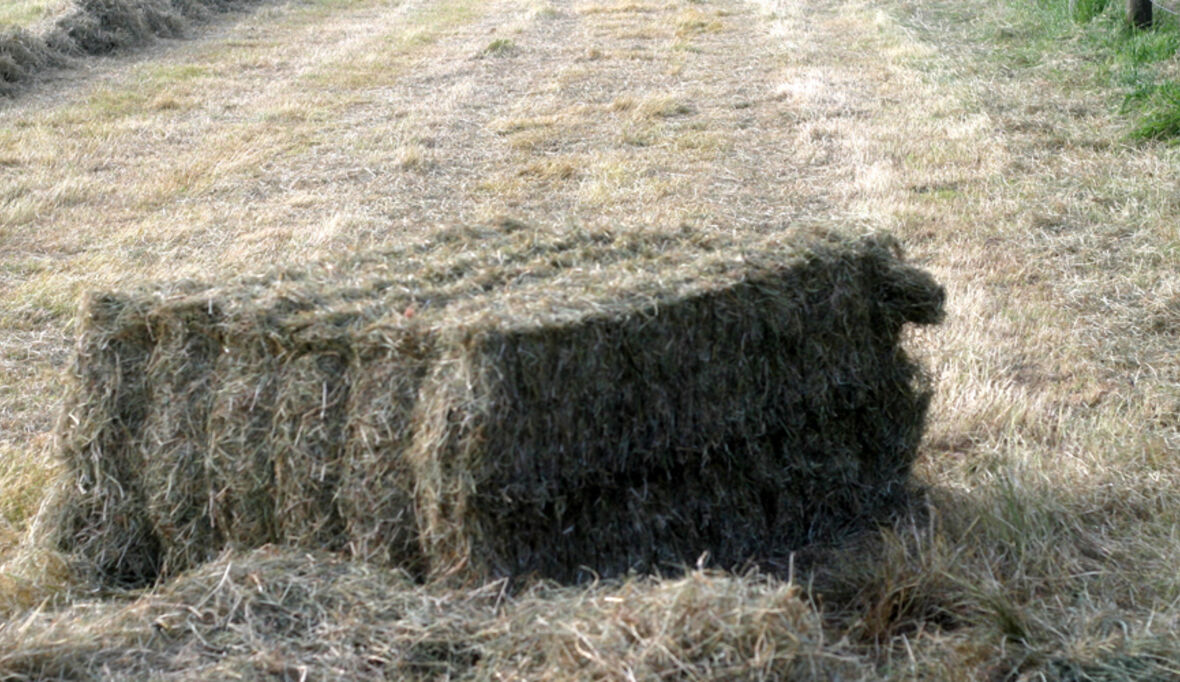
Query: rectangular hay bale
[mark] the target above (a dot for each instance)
(503, 401)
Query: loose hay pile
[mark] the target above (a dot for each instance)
(499, 402)
(92, 27)
(283, 615)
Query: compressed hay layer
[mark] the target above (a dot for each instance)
(502, 402)
(93, 27)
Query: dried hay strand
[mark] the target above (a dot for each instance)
(283, 614)
(95, 27)
(499, 402)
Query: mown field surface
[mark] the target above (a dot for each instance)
(1048, 542)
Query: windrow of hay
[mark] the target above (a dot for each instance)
(21, 55)
(287, 615)
(93, 27)
(500, 402)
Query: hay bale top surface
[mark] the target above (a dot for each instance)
(509, 276)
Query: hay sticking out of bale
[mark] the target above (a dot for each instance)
(311, 616)
(503, 401)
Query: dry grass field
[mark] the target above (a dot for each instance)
(1047, 543)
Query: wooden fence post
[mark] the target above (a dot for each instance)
(1139, 13)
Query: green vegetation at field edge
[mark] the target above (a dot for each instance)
(1140, 64)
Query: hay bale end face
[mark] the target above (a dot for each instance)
(500, 402)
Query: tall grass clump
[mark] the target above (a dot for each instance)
(1160, 107)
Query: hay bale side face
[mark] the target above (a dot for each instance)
(523, 422)
(742, 421)
(194, 428)
(103, 517)
(376, 496)
(180, 477)
(308, 447)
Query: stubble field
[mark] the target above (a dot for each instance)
(1047, 541)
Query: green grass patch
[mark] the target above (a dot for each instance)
(1138, 64)
(499, 46)
(22, 13)
(24, 478)
(1158, 109)
(112, 103)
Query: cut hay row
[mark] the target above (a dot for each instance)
(94, 27)
(499, 402)
(288, 615)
